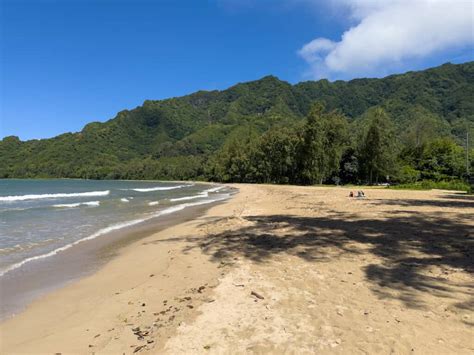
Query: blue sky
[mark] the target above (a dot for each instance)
(65, 63)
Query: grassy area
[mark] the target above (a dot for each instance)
(429, 185)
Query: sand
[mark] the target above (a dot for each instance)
(277, 269)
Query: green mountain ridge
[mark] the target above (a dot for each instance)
(174, 138)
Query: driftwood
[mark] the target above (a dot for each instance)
(259, 296)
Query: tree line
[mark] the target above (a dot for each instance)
(329, 148)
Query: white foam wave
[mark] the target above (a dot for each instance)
(160, 188)
(111, 228)
(124, 200)
(153, 203)
(60, 195)
(72, 205)
(201, 195)
(214, 189)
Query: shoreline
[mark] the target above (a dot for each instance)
(275, 269)
(45, 273)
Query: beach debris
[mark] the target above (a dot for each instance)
(239, 285)
(140, 333)
(138, 348)
(259, 296)
(190, 306)
(200, 289)
(90, 345)
(151, 275)
(207, 347)
(98, 335)
(143, 304)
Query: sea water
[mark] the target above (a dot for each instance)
(42, 218)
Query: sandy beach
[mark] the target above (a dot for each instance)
(277, 269)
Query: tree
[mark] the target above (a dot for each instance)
(324, 137)
(349, 167)
(377, 151)
(234, 161)
(423, 128)
(276, 155)
(443, 159)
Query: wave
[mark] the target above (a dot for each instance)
(160, 188)
(124, 200)
(60, 195)
(214, 189)
(153, 203)
(72, 205)
(201, 195)
(111, 228)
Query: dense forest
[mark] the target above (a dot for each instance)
(400, 129)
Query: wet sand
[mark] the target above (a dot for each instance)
(277, 269)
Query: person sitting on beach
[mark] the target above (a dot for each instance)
(360, 194)
(351, 194)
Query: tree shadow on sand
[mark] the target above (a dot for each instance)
(416, 253)
(446, 202)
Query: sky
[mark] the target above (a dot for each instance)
(65, 63)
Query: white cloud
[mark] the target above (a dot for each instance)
(389, 32)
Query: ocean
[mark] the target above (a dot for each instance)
(53, 231)
(41, 218)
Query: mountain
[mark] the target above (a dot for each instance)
(173, 138)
